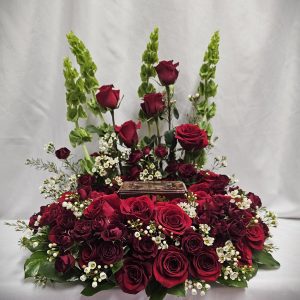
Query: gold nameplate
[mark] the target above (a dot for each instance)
(169, 189)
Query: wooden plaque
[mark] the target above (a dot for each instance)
(169, 189)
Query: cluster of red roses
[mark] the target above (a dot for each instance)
(155, 240)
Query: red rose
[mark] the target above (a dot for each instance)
(186, 171)
(172, 218)
(64, 263)
(205, 265)
(134, 172)
(99, 207)
(153, 104)
(161, 151)
(256, 202)
(60, 236)
(134, 276)
(236, 229)
(62, 153)
(192, 242)
(66, 219)
(108, 97)
(135, 156)
(170, 267)
(146, 150)
(255, 237)
(51, 214)
(138, 207)
(113, 232)
(128, 133)
(217, 182)
(109, 252)
(200, 187)
(167, 72)
(191, 137)
(144, 249)
(245, 252)
(82, 230)
(87, 254)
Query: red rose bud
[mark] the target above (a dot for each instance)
(160, 151)
(167, 72)
(128, 133)
(153, 104)
(107, 97)
(191, 137)
(64, 263)
(62, 153)
(135, 156)
(146, 150)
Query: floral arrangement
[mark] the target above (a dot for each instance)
(215, 233)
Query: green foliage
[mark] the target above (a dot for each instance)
(79, 136)
(265, 260)
(155, 290)
(104, 285)
(178, 290)
(203, 110)
(149, 58)
(35, 243)
(117, 266)
(170, 139)
(233, 283)
(87, 67)
(100, 130)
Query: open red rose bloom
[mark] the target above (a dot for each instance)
(164, 243)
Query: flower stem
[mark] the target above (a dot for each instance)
(157, 130)
(169, 105)
(112, 112)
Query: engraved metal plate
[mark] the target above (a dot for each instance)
(169, 189)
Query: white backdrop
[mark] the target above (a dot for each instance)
(258, 118)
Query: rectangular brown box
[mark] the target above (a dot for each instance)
(169, 189)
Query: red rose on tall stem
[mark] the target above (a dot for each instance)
(170, 267)
(107, 97)
(167, 72)
(128, 133)
(153, 104)
(191, 137)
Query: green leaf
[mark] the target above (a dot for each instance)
(155, 290)
(175, 112)
(233, 283)
(265, 260)
(170, 139)
(79, 136)
(254, 271)
(33, 263)
(117, 266)
(36, 243)
(178, 290)
(104, 285)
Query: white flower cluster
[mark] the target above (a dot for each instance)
(227, 253)
(52, 252)
(94, 272)
(240, 199)
(189, 208)
(49, 148)
(150, 173)
(104, 163)
(196, 287)
(55, 186)
(205, 229)
(106, 142)
(76, 207)
(267, 217)
(117, 179)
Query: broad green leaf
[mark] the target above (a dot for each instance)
(90, 291)
(33, 263)
(233, 283)
(170, 139)
(79, 136)
(176, 113)
(36, 243)
(117, 266)
(155, 290)
(178, 290)
(265, 260)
